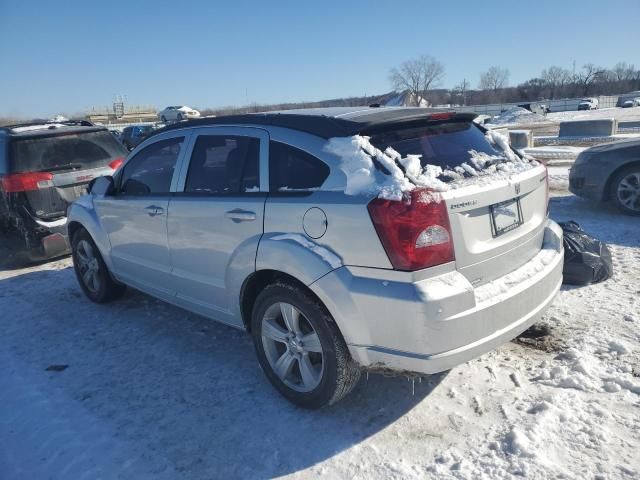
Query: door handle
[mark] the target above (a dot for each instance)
(153, 210)
(238, 215)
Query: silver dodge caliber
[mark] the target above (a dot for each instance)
(246, 220)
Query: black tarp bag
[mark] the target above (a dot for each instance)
(586, 259)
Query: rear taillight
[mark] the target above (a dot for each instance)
(116, 163)
(415, 233)
(441, 116)
(25, 182)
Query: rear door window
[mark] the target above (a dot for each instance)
(224, 165)
(446, 145)
(292, 169)
(151, 170)
(65, 152)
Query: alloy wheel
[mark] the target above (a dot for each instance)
(88, 266)
(629, 191)
(292, 347)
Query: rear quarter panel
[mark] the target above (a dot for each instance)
(349, 235)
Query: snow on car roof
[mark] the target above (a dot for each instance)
(49, 128)
(30, 128)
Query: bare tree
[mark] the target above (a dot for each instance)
(417, 76)
(622, 72)
(494, 79)
(555, 79)
(461, 89)
(590, 74)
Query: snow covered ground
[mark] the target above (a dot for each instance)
(140, 389)
(520, 116)
(621, 114)
(554, 154)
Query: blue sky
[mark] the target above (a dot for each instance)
(66, 56)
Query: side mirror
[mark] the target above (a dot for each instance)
(102, 186)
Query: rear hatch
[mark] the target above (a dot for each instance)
(50, 170)
(496, 220)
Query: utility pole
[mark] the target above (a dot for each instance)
(465, 86)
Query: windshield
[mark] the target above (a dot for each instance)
(70, 151)
(446, 145)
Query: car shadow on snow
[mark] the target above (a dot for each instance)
(185, 388)
(13, 256)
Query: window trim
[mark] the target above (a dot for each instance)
(297, 192)
(261, 134)
(147, 143)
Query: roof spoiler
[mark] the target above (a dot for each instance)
(418, 120)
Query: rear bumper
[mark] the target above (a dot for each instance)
(434, 324)
(54, 242)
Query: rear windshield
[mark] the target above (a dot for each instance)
(65, 152)
(445, 145)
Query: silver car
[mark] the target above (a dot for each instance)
(246, 220)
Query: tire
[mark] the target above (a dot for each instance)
(625, 190)
(179, 118)
(99, 287)
(333, 373)
(163, 119)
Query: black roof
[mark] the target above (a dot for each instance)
(331, 122)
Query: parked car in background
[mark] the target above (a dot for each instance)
(634, 102)
(246, 220)
(626, 97)
(177, 114)
(588, 104)
(133, 135)
(43, 168)
(609, 172)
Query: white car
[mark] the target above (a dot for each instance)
(588, 104)
(178, 113)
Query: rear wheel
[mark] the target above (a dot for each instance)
(625, 190)
(300, 348)
(91, 271)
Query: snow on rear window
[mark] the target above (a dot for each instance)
(439, 158)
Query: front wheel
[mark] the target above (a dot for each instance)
(91, 271)
(300, 348)
(625, 190)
